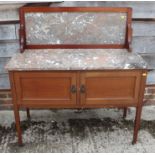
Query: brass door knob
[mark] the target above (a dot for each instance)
(82, 89)
(73, 89)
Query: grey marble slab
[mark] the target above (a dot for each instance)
(76, 59)
(75, 28)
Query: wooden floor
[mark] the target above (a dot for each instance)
(71, 131)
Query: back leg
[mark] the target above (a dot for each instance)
(28, 113)
(125, 112)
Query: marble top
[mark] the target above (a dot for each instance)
(75, 27)
(75, 59)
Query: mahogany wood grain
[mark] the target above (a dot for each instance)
(16, 108)
(78, 46)
(53, 88)
(45, 88)
(110, 88)
(129, 30)
(139, 108)
(74, 9)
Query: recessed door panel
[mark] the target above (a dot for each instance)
(110, 88)
(46, 88)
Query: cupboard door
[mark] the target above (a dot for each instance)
(53, 89)
(110, 88)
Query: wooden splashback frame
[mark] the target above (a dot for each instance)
(22, 32)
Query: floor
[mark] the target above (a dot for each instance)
(97, 130)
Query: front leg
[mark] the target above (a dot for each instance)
(137, 123)
(18, 127)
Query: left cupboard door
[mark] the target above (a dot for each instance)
(45, 89)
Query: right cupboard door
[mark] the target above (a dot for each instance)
(109, 88)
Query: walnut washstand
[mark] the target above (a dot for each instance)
(76, 58)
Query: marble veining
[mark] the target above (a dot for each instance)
(75, 59)
(75, 28)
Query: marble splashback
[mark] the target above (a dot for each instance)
(75, 28)
(76, 59)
